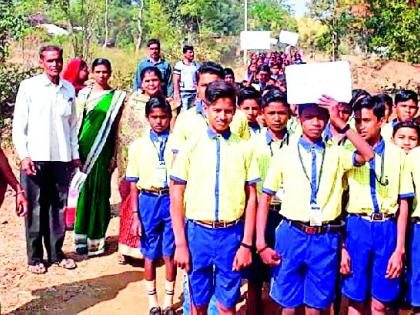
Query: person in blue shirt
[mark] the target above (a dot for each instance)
(155, 60)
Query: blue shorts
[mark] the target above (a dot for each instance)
(186, 306)
(370, 244)
(259, 272)
(212, 252)
(157, 237)
(414, 265)
(308, 271)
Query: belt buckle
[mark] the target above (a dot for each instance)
(377, 216)
(311, 230)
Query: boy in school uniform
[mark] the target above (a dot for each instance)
(149, 159)
(309, 171)
(266, 144)
(212, 188)
(249, 102)
(405, 107)
(374, 243)
(414, 234)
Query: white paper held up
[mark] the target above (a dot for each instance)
(289, 38)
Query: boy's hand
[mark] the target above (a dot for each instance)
(395, 265)
(28, 166)
(182, 257)
(243, 258)
(270, 257)
(22, 205)
(331, 105)
(136, 225)
(345, 269)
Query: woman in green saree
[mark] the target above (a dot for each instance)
(99, 106)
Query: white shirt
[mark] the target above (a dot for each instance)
(188, 73)
(45, 122)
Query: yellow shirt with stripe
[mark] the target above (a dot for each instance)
(215, 169)
(143, 160)
(365, 192)
(413, 167)
(193, 121)
(286, 171)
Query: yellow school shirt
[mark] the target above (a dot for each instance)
(388, 129)
(413, 167)
(144, 167)
(193, 121)
(286, 171)
(265, 148)
(365, 192)
(215, 169)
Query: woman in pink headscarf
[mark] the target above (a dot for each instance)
(77, 73)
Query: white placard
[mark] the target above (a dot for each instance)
(308, 82)
(255, 40)
(290, 38)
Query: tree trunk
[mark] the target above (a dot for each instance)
(139, 26)
(106, 25)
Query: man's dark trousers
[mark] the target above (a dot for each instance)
(47, 195)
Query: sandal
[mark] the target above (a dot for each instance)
(168, 311)
(155, 311)
(38, 268)
(66, 263)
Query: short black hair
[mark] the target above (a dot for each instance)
(220, 89)
(274, 96)
(212, 68)
(302, 107)
(405, 95)
(386, 99)
(228, 71)
(158, 102)
(263, 68)
(153, 41)
(50, 48)
(102, 62)
(152, 69)
(371, 102)
(356, 95)
(186, 48)
(406, 124)
(249, 93)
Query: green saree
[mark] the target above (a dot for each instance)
(93, 210)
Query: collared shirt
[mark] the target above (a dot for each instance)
(188, 73)
(412, 164)
(215, 169)
(145, 156)
(44, 121)
(265, 147)
(254, 129)
(306, 179)
(193, 121)
(377, 185)
(165, 70)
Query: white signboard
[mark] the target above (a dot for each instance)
(308, 82)
(255, 40)
(289, 38)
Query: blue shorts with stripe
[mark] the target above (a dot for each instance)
(309, 266)
(414, 266)
(157, 237)
(212, 252)
(370, 245)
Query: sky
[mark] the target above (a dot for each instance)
(299, 6)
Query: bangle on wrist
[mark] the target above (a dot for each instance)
(262, 249)
(246, 246)
(344, 129)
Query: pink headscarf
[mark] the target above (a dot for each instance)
(71, 73)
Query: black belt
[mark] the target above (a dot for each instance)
(189, 91)
(216, 224)
(415, 220)
(157, 192)
(275, 207)
(333, 226)
(375, 216)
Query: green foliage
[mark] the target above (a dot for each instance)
(394, 28)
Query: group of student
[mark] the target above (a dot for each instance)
(247, 186)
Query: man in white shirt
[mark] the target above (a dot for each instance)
(45, 138)
(185, 79)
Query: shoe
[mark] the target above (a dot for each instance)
(168, 311)
(155, 311)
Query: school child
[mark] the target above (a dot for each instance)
(149, 159)
(308, 173)
(212, 241)
(374, 244)
(267, 143)
(405, 107)
(406, 135)
(414, 234)
(249, 102)
(389, 105)
(193, 121)
(331, 134)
